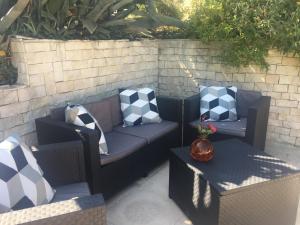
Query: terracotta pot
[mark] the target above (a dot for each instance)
(202, 150)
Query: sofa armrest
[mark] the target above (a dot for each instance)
(170, 108)
(191, 110)
(86, 210)
(62, 163)
(257, 122)
(53, 131)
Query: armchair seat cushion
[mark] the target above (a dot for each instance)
(149, 132)
(71, 191)
(235, 128)
(121, 145)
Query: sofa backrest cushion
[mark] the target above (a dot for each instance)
(58, 114)
(106, 111)
(245, 99)
(116, 114)
(101, 111)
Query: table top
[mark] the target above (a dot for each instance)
(237, 166)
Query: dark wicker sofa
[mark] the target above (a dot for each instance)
(251, 127)
(134, 151)
(73, 204)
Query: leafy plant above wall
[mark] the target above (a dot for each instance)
(77, 19)
(90, 19)
(10, 10)
(247, 29)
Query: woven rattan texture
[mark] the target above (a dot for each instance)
(237, 165)
(272, 204)
(83, 211)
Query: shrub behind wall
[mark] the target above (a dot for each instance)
(247, 29)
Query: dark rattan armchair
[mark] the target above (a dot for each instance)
(251, 127)
(63, 167)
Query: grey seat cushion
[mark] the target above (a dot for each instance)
(150, 132)
(71, 191)
(246, 99)
(235, 128)
(121, 145)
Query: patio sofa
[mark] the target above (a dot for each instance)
(251, 126)
(63, 167)
(133, 151)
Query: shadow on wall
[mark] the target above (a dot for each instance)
(181, 74)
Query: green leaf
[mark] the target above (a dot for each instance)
(120, 5)
(84, 6)
(4, 6)
(43, 2)
(90, 25)
(100, 9)
(160, 19)
(7, 20)
(55, 5)
(125, 13)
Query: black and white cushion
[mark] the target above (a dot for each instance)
(218, 103)
(139, 106)
(78, 115)
(22, 184)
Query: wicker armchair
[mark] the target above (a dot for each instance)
(253, 112)
(63, 167)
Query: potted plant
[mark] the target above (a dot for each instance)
(202, 149)
(8, 73)
(9, 12)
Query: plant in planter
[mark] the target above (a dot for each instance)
(90, 19)
(202, 149)
(8, 73)
(10, 10)
(79, 19)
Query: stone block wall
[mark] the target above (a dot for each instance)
(186, 64)
(52, 73)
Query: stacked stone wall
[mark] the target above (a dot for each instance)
(52, 73)
(186, 64)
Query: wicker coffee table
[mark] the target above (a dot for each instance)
(240, 186)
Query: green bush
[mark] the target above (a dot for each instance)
(247, 29)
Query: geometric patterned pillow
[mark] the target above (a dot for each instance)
(22, 184)
(139, 106)
(218, 103)
(79, 116)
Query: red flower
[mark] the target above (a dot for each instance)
(212, 128)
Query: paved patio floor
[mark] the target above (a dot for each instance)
(146, 202)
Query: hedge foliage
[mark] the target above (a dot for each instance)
(247, 29)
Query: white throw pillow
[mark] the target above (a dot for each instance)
(22, 184)
(139, 106)
(218, 103)
(78, 115)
